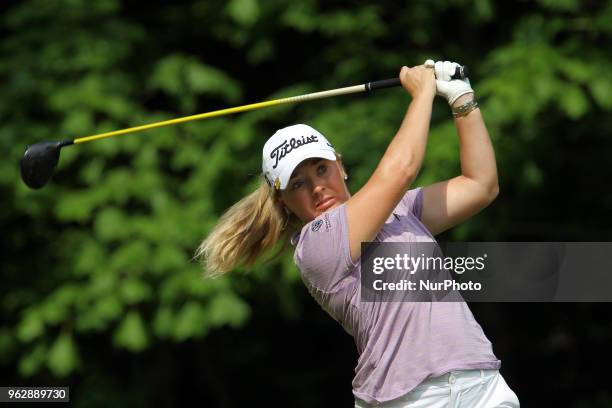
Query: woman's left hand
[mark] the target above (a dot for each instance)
(451, 89)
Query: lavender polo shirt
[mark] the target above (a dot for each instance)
(400, 344)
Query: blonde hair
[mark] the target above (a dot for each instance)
(245, 232)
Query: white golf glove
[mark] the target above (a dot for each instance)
(449, 88)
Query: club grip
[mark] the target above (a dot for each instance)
(384, 83)
(460, 73)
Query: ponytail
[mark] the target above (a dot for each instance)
(245, 232)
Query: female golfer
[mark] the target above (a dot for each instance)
(411, 354)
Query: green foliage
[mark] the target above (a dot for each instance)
(179, 75)
(31, 361)
(131, 333)
(105, 249)
(63, 356)
(244, 12)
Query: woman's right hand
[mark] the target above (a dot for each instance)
(419, 81)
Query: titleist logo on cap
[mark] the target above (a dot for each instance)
(288, 146)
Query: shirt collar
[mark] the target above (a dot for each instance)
(295, 238)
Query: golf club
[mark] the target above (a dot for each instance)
(39, 160)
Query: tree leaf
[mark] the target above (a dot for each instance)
(190, 322)
(31, 326)
(31, 362)
(244, 12)
(134, 290)
(63, 356)
(131, 333)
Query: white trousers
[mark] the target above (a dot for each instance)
(456, 389)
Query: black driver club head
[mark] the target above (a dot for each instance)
(39, 161)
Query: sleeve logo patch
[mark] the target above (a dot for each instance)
(316, 225)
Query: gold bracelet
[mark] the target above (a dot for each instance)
(464, 109)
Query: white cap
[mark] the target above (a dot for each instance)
(287, 148)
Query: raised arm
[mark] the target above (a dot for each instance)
(370, 207)
(448, 203)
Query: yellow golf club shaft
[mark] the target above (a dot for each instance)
(40, 159)
(292, 99)
(460, 73)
